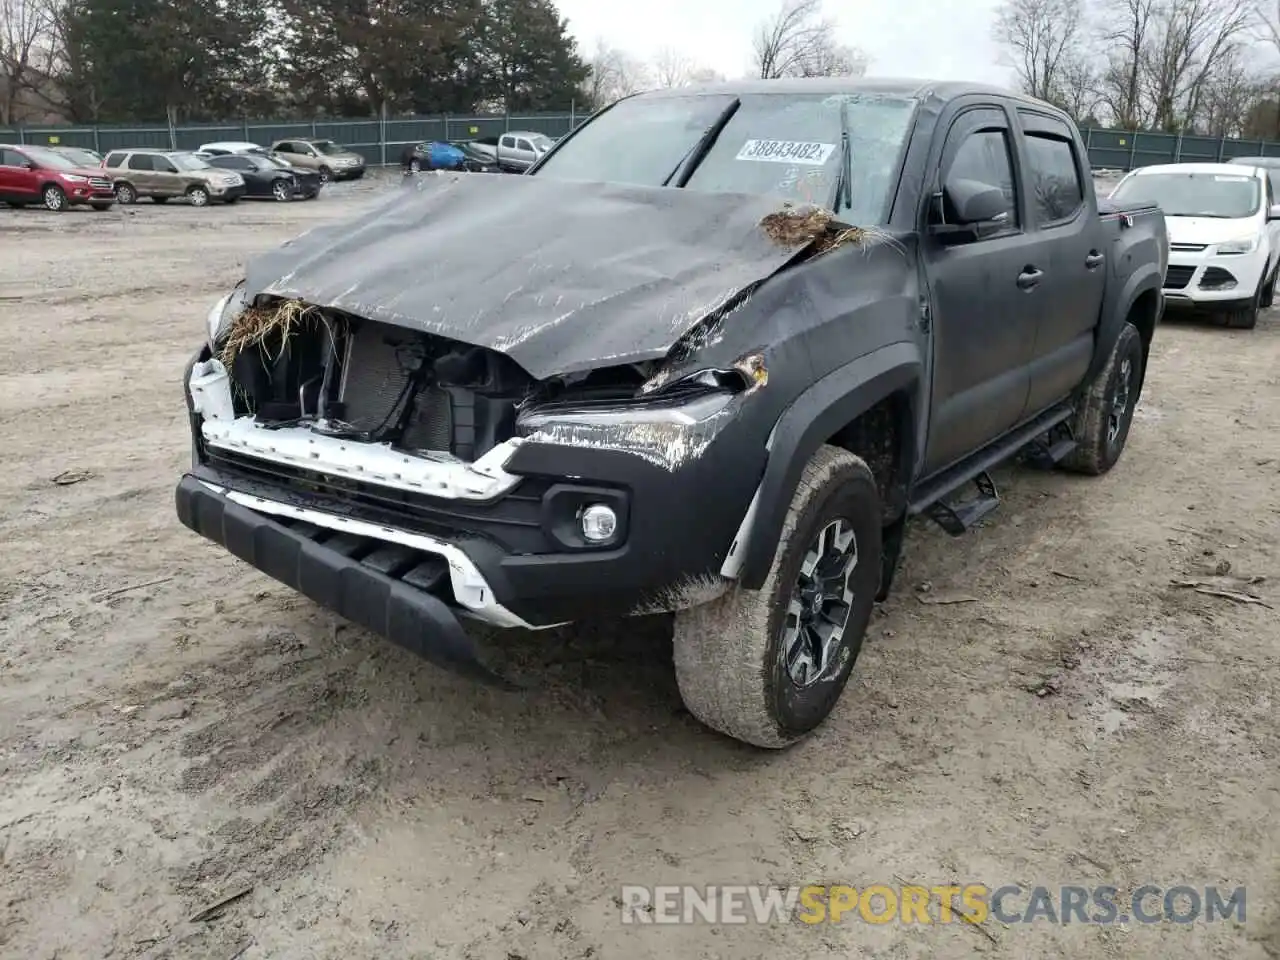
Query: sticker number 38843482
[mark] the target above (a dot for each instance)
(786, 151)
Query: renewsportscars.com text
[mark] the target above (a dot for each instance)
(919, 904)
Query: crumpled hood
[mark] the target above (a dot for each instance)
(561, 276)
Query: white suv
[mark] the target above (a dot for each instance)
(1224, 234)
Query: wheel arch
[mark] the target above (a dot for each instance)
(1140, 302)
(845, 408)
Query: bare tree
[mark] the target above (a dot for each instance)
(613, 74)
(1126, 33)
(1190, 41)
(798, 41)
(26, 52)
(673, 68)
(1040, 37)
(1079, 86)
(1230, 99)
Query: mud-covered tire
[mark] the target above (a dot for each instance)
(1101, 427)
(728, 653)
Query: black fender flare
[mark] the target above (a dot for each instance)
(1116, 313)
(814, 417)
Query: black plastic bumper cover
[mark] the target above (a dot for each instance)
(411, 618)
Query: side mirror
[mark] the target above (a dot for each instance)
(972, 202)
(28, 165)
(966, 209)
(1274, 212)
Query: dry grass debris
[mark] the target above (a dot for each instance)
(800, 226)
(255, 325)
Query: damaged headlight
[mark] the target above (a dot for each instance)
(677, 411)
(223, 312)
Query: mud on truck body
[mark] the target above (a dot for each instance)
(787, 317)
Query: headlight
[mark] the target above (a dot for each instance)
(1243, 245)
(74, 178)
(223, 312)
(675, 411)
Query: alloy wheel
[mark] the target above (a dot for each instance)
(820, 604)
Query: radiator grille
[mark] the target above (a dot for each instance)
(431, 423)
(374, 377)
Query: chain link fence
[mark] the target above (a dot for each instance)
(382, 140)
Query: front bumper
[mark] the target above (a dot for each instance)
(1203, 277)
(348, 173)
(79, 193)
(388, 591)
(221, 191)
(514, 525)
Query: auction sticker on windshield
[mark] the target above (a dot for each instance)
(786, 151)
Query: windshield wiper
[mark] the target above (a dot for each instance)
(689, 162)
(844, 177)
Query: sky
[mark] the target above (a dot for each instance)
(926, 39)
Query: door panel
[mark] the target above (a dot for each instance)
(983, 319)
(1066, 242)
(16, 181)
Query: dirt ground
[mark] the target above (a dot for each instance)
(176, 727)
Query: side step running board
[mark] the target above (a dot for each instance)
(956, 519)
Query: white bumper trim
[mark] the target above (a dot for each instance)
(470, 588)
(445, 476)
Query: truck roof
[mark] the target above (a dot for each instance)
(884, 86)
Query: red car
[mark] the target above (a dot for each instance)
(39, 175)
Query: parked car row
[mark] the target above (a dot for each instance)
(62, 177)
(513, 152)
(1223, 221)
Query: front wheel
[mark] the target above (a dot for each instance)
(1102, 423)
(198, 197)
(282, 190)
(768, 666)
(1246, 317)
(125, 193)
(415, 165)
(54, 198)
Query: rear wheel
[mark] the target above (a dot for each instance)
(768, 666)
(326, 175)
(415, 165)
(126, 194)
(198, 197)
(1102, 423)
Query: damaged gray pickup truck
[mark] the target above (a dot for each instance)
(764, 324)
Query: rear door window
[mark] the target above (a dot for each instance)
(1056, 191)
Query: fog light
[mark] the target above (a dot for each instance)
(598, 522)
